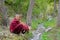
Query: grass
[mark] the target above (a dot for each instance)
(44, 36)
(25, 37)
(51, 23)
(35, 23)
(54, 34)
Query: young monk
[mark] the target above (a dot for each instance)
(17, 26)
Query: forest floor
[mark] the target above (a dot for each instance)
(44, 31)
(6, 35)
(39, 34)
(54, 34)
(40, 30)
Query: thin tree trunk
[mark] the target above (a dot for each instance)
(4, 12)
(55, 8)
(29, 13)
(58, 18)
(55, 5)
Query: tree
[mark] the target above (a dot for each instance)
(4, 12)
(55, 7)
(58, 21)
(29, 13)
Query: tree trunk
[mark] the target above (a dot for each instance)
(4, 12)
(58, 18)
(29, 13)
(55, 8)
(55, 5)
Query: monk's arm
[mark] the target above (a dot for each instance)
(13, 26)
(16, 26)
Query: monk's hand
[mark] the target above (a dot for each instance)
(29, 27)
(22, 23)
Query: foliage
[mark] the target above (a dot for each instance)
(51, 23)
(46, 7)
(17, 6)
(52, 35)
(21, 6)
(36, 22)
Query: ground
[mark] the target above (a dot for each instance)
(54, 34)
(6, 35)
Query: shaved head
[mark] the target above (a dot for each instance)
(18, 16)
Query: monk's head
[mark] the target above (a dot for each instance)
(18, 16)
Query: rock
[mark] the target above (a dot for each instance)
(48, 29)
(38, 32)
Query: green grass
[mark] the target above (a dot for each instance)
(51, 34)
(51, 23)
(54, 34)
(35, 23)
(44, 36)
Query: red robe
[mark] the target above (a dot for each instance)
(16, 27)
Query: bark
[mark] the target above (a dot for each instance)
(55, 8)
(58, 16)
(3, 10)
(29, 13)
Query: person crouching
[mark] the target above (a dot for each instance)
(17, 26)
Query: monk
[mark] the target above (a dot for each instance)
(17, 26)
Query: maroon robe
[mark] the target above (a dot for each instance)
(16, 27)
